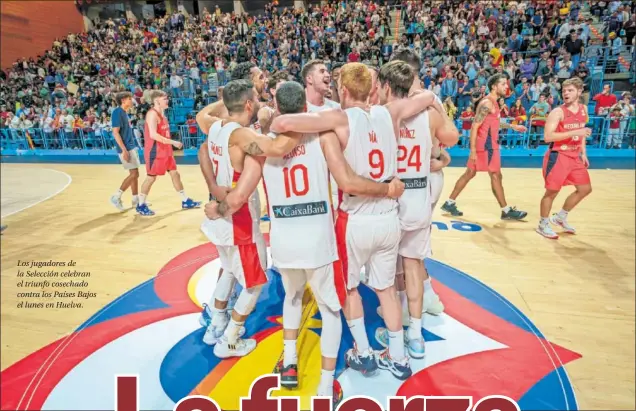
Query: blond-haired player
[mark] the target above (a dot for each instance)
(367, 229)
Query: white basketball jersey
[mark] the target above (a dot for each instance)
(414, 168)
(372, 153)
(241, 227)
(329, 105)
(302, 233)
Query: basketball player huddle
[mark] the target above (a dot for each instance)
(380, 151)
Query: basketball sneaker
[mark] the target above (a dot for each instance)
(364, 362)
(190, 203)
(432, 304)
(415, 347)
(452, 209)
(223, 348)
(400, 369)
(547, 231)
(214, 333)
(144, 210)
(337, 394)
(563, 222)
(288, 374)
(116, 201)
(513, 214)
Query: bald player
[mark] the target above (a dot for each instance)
(367, 229)
(298, 198)
(396, 81)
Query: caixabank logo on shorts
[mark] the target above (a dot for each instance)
(480, 346)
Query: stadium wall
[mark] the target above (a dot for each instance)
(28, 28)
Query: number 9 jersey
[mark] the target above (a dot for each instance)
(302, 234)
(372, 153)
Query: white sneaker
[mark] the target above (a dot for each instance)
(223, 349)
(547, 231)
(432, 304)
(567, 228)
(116, 201)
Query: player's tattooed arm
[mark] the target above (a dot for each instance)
(255, 144)
(482, 112)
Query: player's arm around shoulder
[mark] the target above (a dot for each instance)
(239, 195)
(210, 114)
(256, 144)
(310, 122)
(406, 108)
(444, 129)
(346, 179)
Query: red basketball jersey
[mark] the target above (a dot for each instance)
(571, 121)
(153, 146)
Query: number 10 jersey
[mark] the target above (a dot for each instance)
(302, 233)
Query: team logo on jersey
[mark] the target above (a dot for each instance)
(481, 345)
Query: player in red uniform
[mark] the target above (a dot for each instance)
(158, 153)
(484, 150)
(565, 162)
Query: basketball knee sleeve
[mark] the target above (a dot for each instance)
(247, 300)
(331, 331)
(293, 310)
(224, 286)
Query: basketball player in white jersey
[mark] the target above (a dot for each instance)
(440, 159)
(317, 81)
(238, 239)
(396, 80)
(367, 229)
(212, 112)
(298, 197)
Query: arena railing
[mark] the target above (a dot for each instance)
(607, 133)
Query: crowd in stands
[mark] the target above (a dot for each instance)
(538, 43)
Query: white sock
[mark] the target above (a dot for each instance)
(232, 331)
(184, 197)
(359, 333)
(404, 301)
(505, 209)
(396, 344)
(544, 221)
(414, 331)
(325, 388)
(219, 317)
(119, 193)
(428, 286)
(142, 199)
(135, 199)
(289, 352)
(451, 202)
(563, 214)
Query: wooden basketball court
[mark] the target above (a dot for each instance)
(579, 290)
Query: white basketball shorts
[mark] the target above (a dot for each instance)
(327, 283)
(371, 241)
(247, 263)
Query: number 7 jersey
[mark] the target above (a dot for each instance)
(302, 234)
